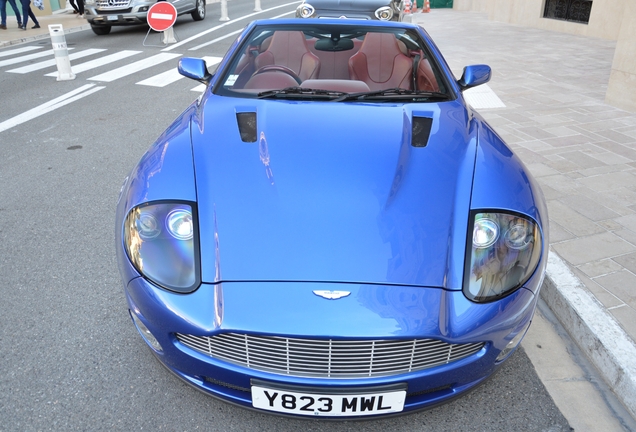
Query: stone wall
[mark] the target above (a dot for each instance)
(603, 20)
(621, 91)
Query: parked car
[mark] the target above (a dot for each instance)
(384, 10)
(330, 232)
(103, 14)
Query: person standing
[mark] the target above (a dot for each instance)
(75, 9)
(26, 13)
(3, 13)
(80, 7)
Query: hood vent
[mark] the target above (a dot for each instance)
(247, 126)
(421, 131)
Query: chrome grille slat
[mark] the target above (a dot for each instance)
(329, 358)
(113, 4)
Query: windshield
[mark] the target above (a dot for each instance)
(333, 63)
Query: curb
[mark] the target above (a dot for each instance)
(41, 36)
(593, 329)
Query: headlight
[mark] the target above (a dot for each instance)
(305, 10)
(504, 251)
(385, 13)
(161, 241)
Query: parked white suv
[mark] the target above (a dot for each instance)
(103, 14)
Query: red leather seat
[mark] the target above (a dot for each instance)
(425, 77)
(381, 64)
(289, 48)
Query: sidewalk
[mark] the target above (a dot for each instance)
(581, 150)
(583, 153)
(13, 35)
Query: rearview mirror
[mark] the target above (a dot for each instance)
(194, 68)
(333, 44)
(474, 75)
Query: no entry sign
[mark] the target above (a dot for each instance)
(161, 16)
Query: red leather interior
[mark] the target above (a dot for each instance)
(342, 85)
(425, 77)
(289, 48)
(381, 64)
(270, 81)
(334, 64)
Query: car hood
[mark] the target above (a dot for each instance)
(333, 192)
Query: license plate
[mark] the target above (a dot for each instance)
(341, 405)
(112, 17)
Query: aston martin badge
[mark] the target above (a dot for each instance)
(331, 295)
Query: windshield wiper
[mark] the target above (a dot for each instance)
(301, 92)
(394, 93)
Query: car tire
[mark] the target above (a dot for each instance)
(100, 30)
(199, 13)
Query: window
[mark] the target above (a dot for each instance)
(568, 10)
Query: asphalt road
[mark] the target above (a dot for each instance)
(70, 358)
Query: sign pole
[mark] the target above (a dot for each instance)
(168, 36)
(224, 16)
(58, 40)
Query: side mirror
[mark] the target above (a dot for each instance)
(473, 76)
(194, 68)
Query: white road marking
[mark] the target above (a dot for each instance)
(173, 75)
(196, 36)
(27, 57)
(18, 50)
(231, 34)
(483, 97)
(200, 88)
(282, 15)
(49, 106)
(48, 63)
(134, 67)
(215, 40)
(83, 67)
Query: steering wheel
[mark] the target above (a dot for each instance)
(279, 68)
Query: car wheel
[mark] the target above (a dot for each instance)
(100, 30)
(199, 13)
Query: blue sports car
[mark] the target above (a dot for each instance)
(330, 230)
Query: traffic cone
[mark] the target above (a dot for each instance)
(427, 6)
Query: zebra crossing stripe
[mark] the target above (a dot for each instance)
(49, 106)
(134, 67)
(27, 57)
(48, 63)
(83, 67)
(18, 50)
(173, 75)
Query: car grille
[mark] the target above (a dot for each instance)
(327, 357)
(112, 4)
(112, 11)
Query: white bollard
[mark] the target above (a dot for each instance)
(168, 36)
(224, 16)
(257, 6)
(58, 40)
